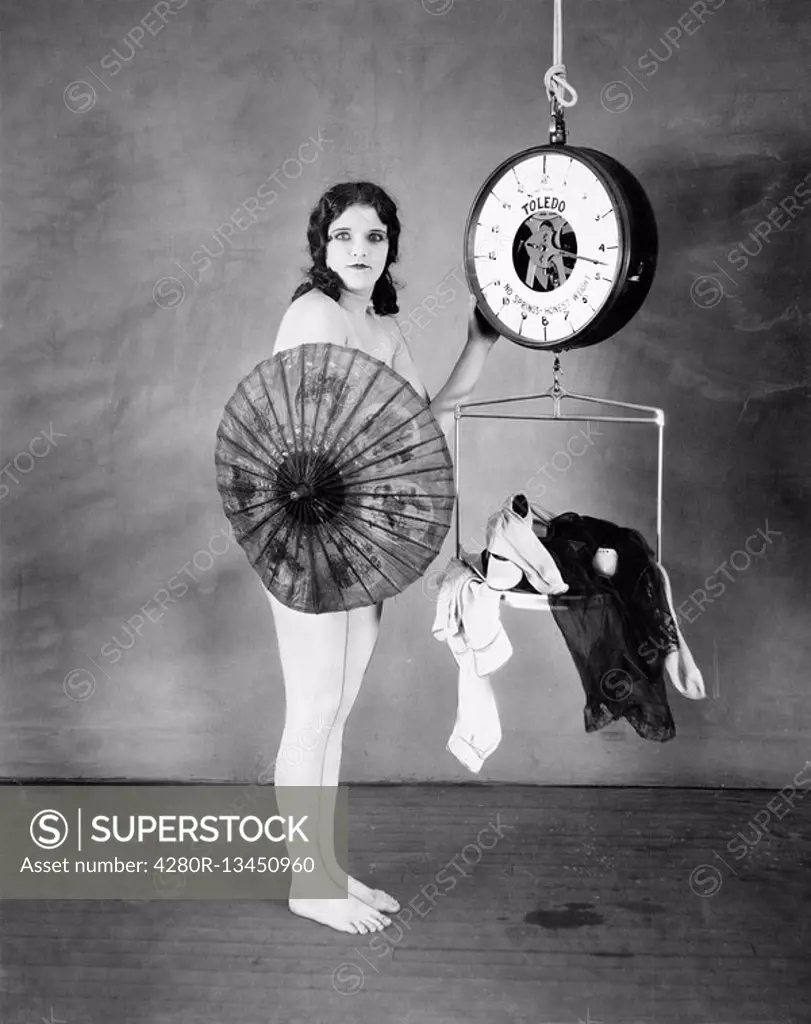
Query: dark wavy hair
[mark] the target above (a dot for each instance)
(330, 206)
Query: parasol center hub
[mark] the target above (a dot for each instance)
(311, 487)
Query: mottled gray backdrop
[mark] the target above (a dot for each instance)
(158, 167)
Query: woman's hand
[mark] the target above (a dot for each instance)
(478, 328)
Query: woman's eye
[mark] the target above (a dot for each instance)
(344, 236)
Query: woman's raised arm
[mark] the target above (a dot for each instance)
(465, 375)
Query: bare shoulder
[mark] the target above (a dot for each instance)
(395, 327)
(403, 361)
(311, 318)
(392, 327)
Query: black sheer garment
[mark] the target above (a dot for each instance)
(617, 630)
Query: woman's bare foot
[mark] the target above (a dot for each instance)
(349, 915)
(376, 898)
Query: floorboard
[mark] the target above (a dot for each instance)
(591, 906)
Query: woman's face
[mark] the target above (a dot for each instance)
(546, 234)
(357, 248)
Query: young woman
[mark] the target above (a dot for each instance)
(348, 298)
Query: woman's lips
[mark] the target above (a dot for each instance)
(359, 266)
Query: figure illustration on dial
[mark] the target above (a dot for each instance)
(545, 248)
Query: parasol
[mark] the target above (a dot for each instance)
(335, 476)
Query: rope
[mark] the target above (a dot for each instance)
(557, 88)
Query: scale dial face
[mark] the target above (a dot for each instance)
(550, 247)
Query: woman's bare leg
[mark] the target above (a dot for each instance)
(363, 630)
(312, 649)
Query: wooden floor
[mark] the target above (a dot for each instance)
(595, 905)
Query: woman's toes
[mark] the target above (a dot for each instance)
(386, 902)
(375, 898)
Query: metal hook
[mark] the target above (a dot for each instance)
(557, 125)
(557, 390)
(556, 373)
